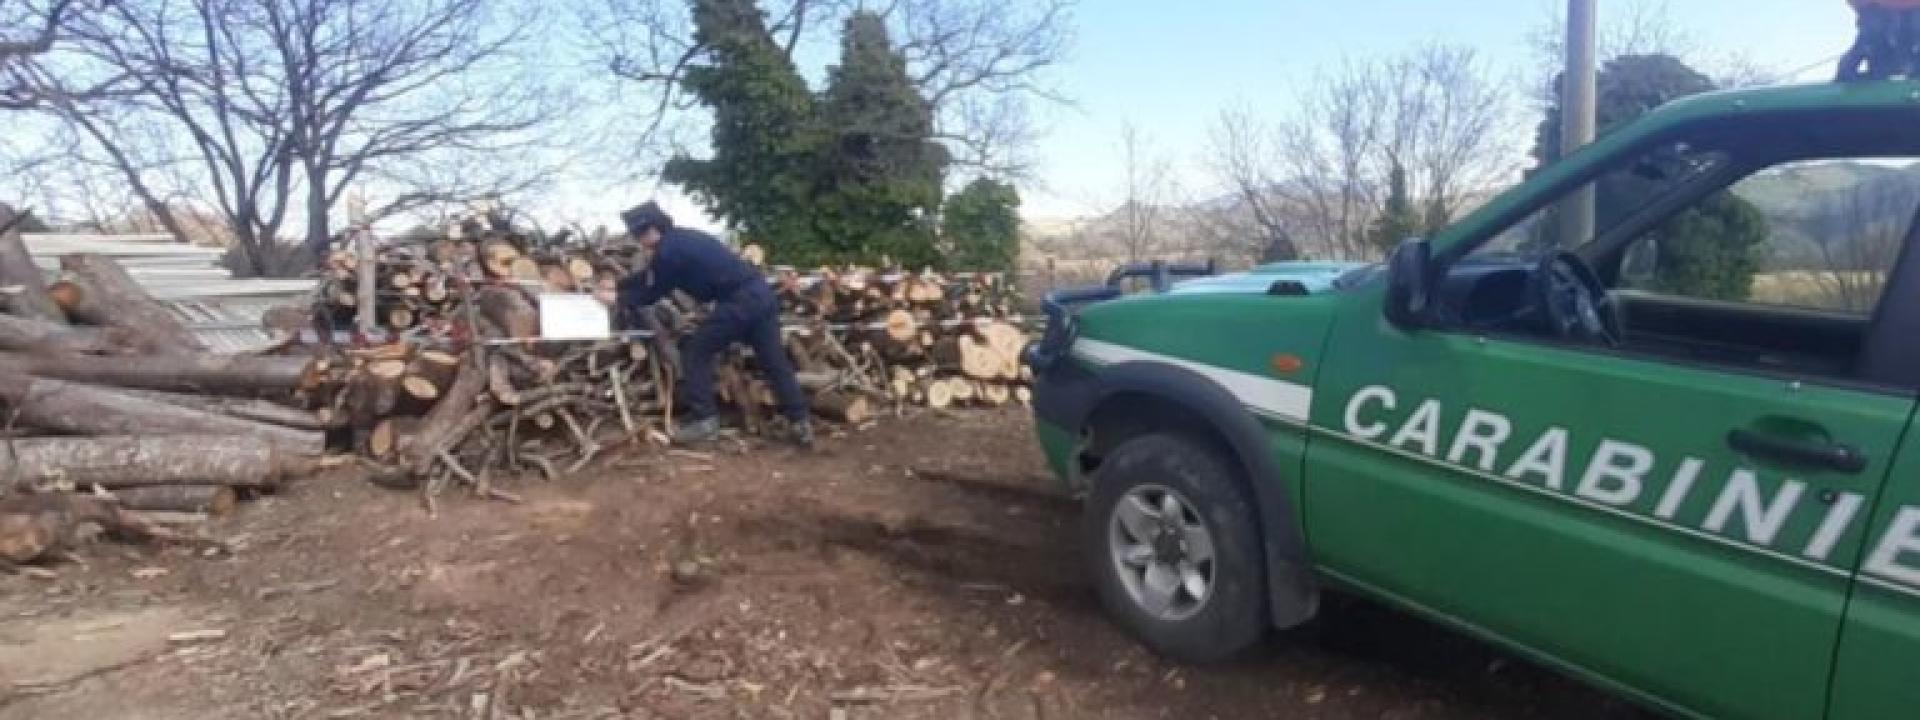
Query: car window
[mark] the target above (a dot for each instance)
(1615, 197)
(1817, 234)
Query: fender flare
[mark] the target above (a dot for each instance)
(1292, 589)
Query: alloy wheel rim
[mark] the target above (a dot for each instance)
(1163, 552)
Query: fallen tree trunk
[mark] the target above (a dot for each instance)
(266, 411)
(109, 297)
(78, 409)
(147, 460)
(214, 500)
(30, 299)
(198, 373)
(24, 334)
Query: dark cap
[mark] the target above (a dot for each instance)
(646, 215)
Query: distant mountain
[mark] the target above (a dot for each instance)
(1825, 210)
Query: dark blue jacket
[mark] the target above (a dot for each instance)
(692, 262)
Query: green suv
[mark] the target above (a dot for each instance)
(1645, 418)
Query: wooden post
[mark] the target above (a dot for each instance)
(368, 301)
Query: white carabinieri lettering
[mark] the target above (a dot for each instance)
(1622, 476)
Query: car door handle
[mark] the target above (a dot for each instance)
(1826, 455)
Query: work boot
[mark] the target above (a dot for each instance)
(798, 433)
(690, 432)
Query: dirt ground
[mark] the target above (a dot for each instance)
(922, 569)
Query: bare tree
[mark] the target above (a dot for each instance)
(1139, 219)
(1330, 152)
(1857, 234)
(41, 24)
(1313, 183)
(1243, 158)
(1450, 119)
(283, 105)
(978, 62)
(38, 23)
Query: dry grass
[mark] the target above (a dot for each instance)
(1821, 289)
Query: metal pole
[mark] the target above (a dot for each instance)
(1579, 91)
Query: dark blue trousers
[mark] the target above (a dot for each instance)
(751, 316)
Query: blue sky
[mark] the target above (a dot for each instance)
(1169, 68)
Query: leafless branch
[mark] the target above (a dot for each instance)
(285, 104)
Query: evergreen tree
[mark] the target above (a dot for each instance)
(1398, 219)
(880, 177)
(765, 135)
(1710, 250)
(981, 226)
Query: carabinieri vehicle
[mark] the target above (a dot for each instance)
(1673, 455)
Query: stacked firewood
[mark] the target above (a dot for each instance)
(417, 284)
(922, 339)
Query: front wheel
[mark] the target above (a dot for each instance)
(1175, 549)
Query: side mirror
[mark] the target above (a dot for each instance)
(1289, 288)
(1410, 284)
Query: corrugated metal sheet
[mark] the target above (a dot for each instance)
(223, 312)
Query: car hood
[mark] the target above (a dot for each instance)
(1315, 278)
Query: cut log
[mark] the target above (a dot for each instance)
(371, 396)
(78, 409)
(497, 257)
(960, 388)
(391, 437)
(978, 360)
(527, 271)
(24, 334)
(34, 525)
(500, 381)
(401, 317)
(143, 460)
(995, 394)
(200, 373)
(254, 409)
(17, 270)
(436, 366)
(582, 272)
(438, 429)
(939, 394)
(109, 297)
(419, 388)
(848, 408)
(393, 369)
(901, 327)
(509, 310)
(1023, 395)
(214, 500)
(64, 294)
(557, 278)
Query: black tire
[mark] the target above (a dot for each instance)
(1232, 615)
